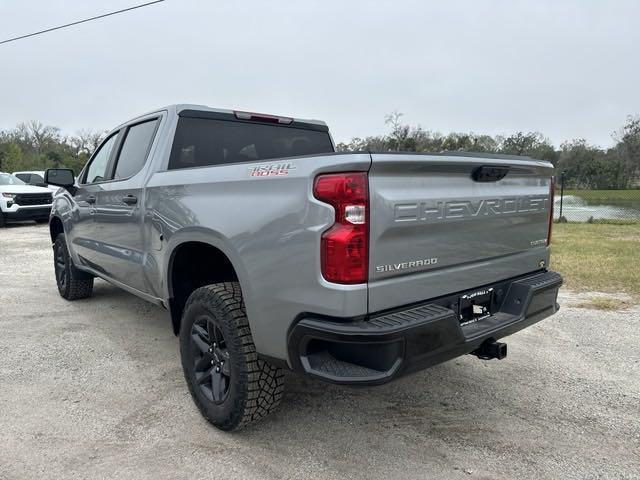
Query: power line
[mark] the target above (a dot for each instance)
(79, 21)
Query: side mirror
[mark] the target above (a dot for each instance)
(61, 177)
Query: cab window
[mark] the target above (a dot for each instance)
(35, 179)
(135, 149)
(97, 170)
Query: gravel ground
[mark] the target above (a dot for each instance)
(93, 389)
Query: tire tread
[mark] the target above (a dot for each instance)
(264, 383)
(79, 284)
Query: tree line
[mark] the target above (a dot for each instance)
(34, 146)
(584, 165)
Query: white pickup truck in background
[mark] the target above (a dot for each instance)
(34, 177)
(19, 201)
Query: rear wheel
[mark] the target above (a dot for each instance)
(73, 284)
(231, 386)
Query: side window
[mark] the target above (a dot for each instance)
(97, 170)
(36, 179)
(23, 176)
(135, 149)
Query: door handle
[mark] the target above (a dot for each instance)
(91, 199)
(130, 199)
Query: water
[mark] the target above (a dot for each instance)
(576, 209)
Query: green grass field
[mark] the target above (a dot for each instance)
(604, 196)
(597, 257)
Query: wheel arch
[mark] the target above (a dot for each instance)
(195, 259)
(56, 227)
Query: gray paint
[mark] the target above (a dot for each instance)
(270, 229)
(474, 246)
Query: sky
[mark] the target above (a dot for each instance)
(569, 69)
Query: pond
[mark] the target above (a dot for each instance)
(577, 209)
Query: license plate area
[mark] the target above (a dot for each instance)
(475, 306)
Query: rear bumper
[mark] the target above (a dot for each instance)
(389, 344)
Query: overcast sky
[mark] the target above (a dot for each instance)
(565, 68)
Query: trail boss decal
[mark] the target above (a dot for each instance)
(271, 170)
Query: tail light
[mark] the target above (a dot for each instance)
(552, 192)
(345, 246)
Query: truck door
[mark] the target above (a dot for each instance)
(120, 208)
(82, 232)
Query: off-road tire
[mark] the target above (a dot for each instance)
(3, 222)
(75, 284)
(254, 387)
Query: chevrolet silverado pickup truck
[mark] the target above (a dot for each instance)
(272, 251)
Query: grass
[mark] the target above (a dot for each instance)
(606, 221)
(604, 303)
(596, 257)
(604, 196)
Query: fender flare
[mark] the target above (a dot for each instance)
(213, 239)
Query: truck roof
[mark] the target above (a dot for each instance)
(179, 107)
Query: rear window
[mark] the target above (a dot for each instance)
(201, 142)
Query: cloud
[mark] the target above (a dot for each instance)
(568, 69)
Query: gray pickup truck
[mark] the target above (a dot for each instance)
(271, 250)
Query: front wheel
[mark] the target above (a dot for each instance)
(73, 284)
(231, 386)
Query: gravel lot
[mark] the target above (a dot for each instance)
(94, 389)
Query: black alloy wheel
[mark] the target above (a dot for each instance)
(60, 265)
(211, 364)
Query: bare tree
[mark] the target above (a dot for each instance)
(86, 141)
(36, 137)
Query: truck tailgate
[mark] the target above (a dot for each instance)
(448, 223)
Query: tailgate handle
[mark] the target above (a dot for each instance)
(489, 173)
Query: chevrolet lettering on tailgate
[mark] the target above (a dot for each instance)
(454, 209)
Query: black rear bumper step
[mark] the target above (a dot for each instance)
(389, 344)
